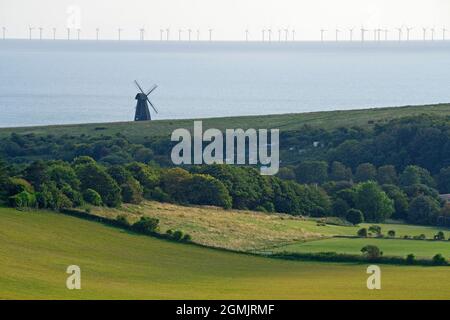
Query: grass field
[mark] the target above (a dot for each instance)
(137, 131)
(390, 247)
(37, 247)
(246, 230)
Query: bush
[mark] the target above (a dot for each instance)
(375, 229)
(362, 233)
(410, 259)
(439, 260)
(439, 236)
(122, 220)
(23, 199)
(355, 216)
(93, 197)
(372, 252)
(391, 233)
(187, 238)
(146, 225)
(177, 235)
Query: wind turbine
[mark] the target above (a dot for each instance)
(4, 32)
(408, 32)
(168, 34)
(386, 31)
(432, 33)
(246, 35)
(322, 32)
(31, 30)
(279, 35)
(97, 32)
(198, 34)
(263, 32)
(78, 33)
(286, 31)
(374, 34)
(179, 34)
(142, 32)
(444, 30)
(54, 33)
(424, 33)
(189, 34)
(293, 34)
(269, 31)
(119, 31)
(161, 33)
(351, 34)
(400, 32)
(210, 34)
(40, 33)
(68, 33)
(363, 31)
(337, 34)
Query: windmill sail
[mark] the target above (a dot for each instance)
(142, 110)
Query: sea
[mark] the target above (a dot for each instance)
(46, 82)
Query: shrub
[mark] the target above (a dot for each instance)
(410, 259)
(187, 238)
(177, 235)
(439, 260)
(355, 216)
(23, 199)
(122, 220)
(439, 236)
(93, 197)
(146, 225)
(391, 233)
(375, 229)
(372, 252)
(362, 233)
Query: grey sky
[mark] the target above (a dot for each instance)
(228, 18)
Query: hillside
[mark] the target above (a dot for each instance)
(285, 122)
(38, 246)
(249, 230)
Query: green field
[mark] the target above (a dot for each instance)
(247, 230)
(36, 248)
(137, 131)
(390, 247)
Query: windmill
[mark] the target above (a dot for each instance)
(179, 34)
(31, 30)
(424, 33)
(293, 34)
(40, 33)
(386, 31)
(97, 32)
(400, 32)
(351, 34)
(279, 35)
(270, 34)
(210, 34)
(363, 31)
(263, 31)
(246, 35)
(54, 33)
(4, 32)
(189, 34)
(142, 34)
(78, 33)
(286, 33)
(337, 34)
(444, 30)
(168, 34)
(161, 33)
(408, 32)
(68, 33)
(119, 31)
(198, 34)
(322, 31)
(432, 34)
(142, 112)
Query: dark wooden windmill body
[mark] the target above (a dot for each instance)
(142, 111)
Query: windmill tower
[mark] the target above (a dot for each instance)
(408, 32)
(351, 34)
(168, 34)
(263, 32)
(198, 34)
(269, 31)
(179, 34)
(210, 34)
(78, 34)
(432, 34)
(424, 34)
(293, 35)
(386, 31)
(142, 34)
(161, 34)
(4, 33)
(246, 35)
(54, 33)
(286, 33)
(189, 34)
(97, 33)
(40, 33)
(337, 34)
(31, 31)
(142, 112)
(68, 33)
(363, 31)
(322, 32)
(444, 30)
(400, 32)
(119, 33)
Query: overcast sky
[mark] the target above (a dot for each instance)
(228, 18)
